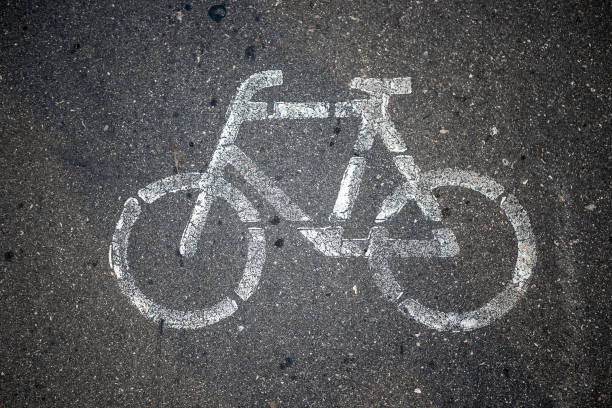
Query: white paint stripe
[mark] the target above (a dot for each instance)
(448, 243)
(444, 245)
(375, 123)
(354, 247)
(461, 178)
(526, 257)
(387, 284)
(118, 251)
(474, 319)
(172, 318)
(385, 86)
(263, 184)
(399, 86)
(119, 245)
(525, 262)
(256, 257)
(368, 128)
(394, 202)
(344, 109)
(300, 110)
(257, 82)
(329, 241)
(518, 217)
(244, 209)
(242, 110)
(378, 255)
(349, 189)
(193, 230)
(411, 190)
(375, 120)
(423, 196)
(503, 301)
(213, 187)
(407, 168)
(428, 205)
(183, 181)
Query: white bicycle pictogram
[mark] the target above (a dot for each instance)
(379, 248)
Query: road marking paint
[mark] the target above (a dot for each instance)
(387, 86)
(263, 184)
(378, 255)
(375, 120)
(300, 110)
(172, 318)
(462, 178)
(443, 245)
(450, 321)
(329, 242)
(242, 110)
(256, 258)
(526, 258)
(119, 245)
(381, 248)
(183, 181)
(448, 246)
(411, 190)
(518, 217)
(344, 110)
(378, 247)
(193, 230)
(118, 256)
(213, 187)
(349, 189)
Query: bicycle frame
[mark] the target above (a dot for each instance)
(375, 122)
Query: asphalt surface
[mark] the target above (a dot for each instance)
(99, 100)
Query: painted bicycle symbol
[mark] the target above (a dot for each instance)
(378, 248)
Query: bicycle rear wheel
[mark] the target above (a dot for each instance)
(118, 252)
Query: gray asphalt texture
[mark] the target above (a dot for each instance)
(99, 99)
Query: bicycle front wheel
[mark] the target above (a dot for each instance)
(501, 303)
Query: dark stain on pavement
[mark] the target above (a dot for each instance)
(217, 12)
(286, 364)
(249, 52)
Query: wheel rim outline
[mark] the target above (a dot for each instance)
(526, 259)
(118, 259)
